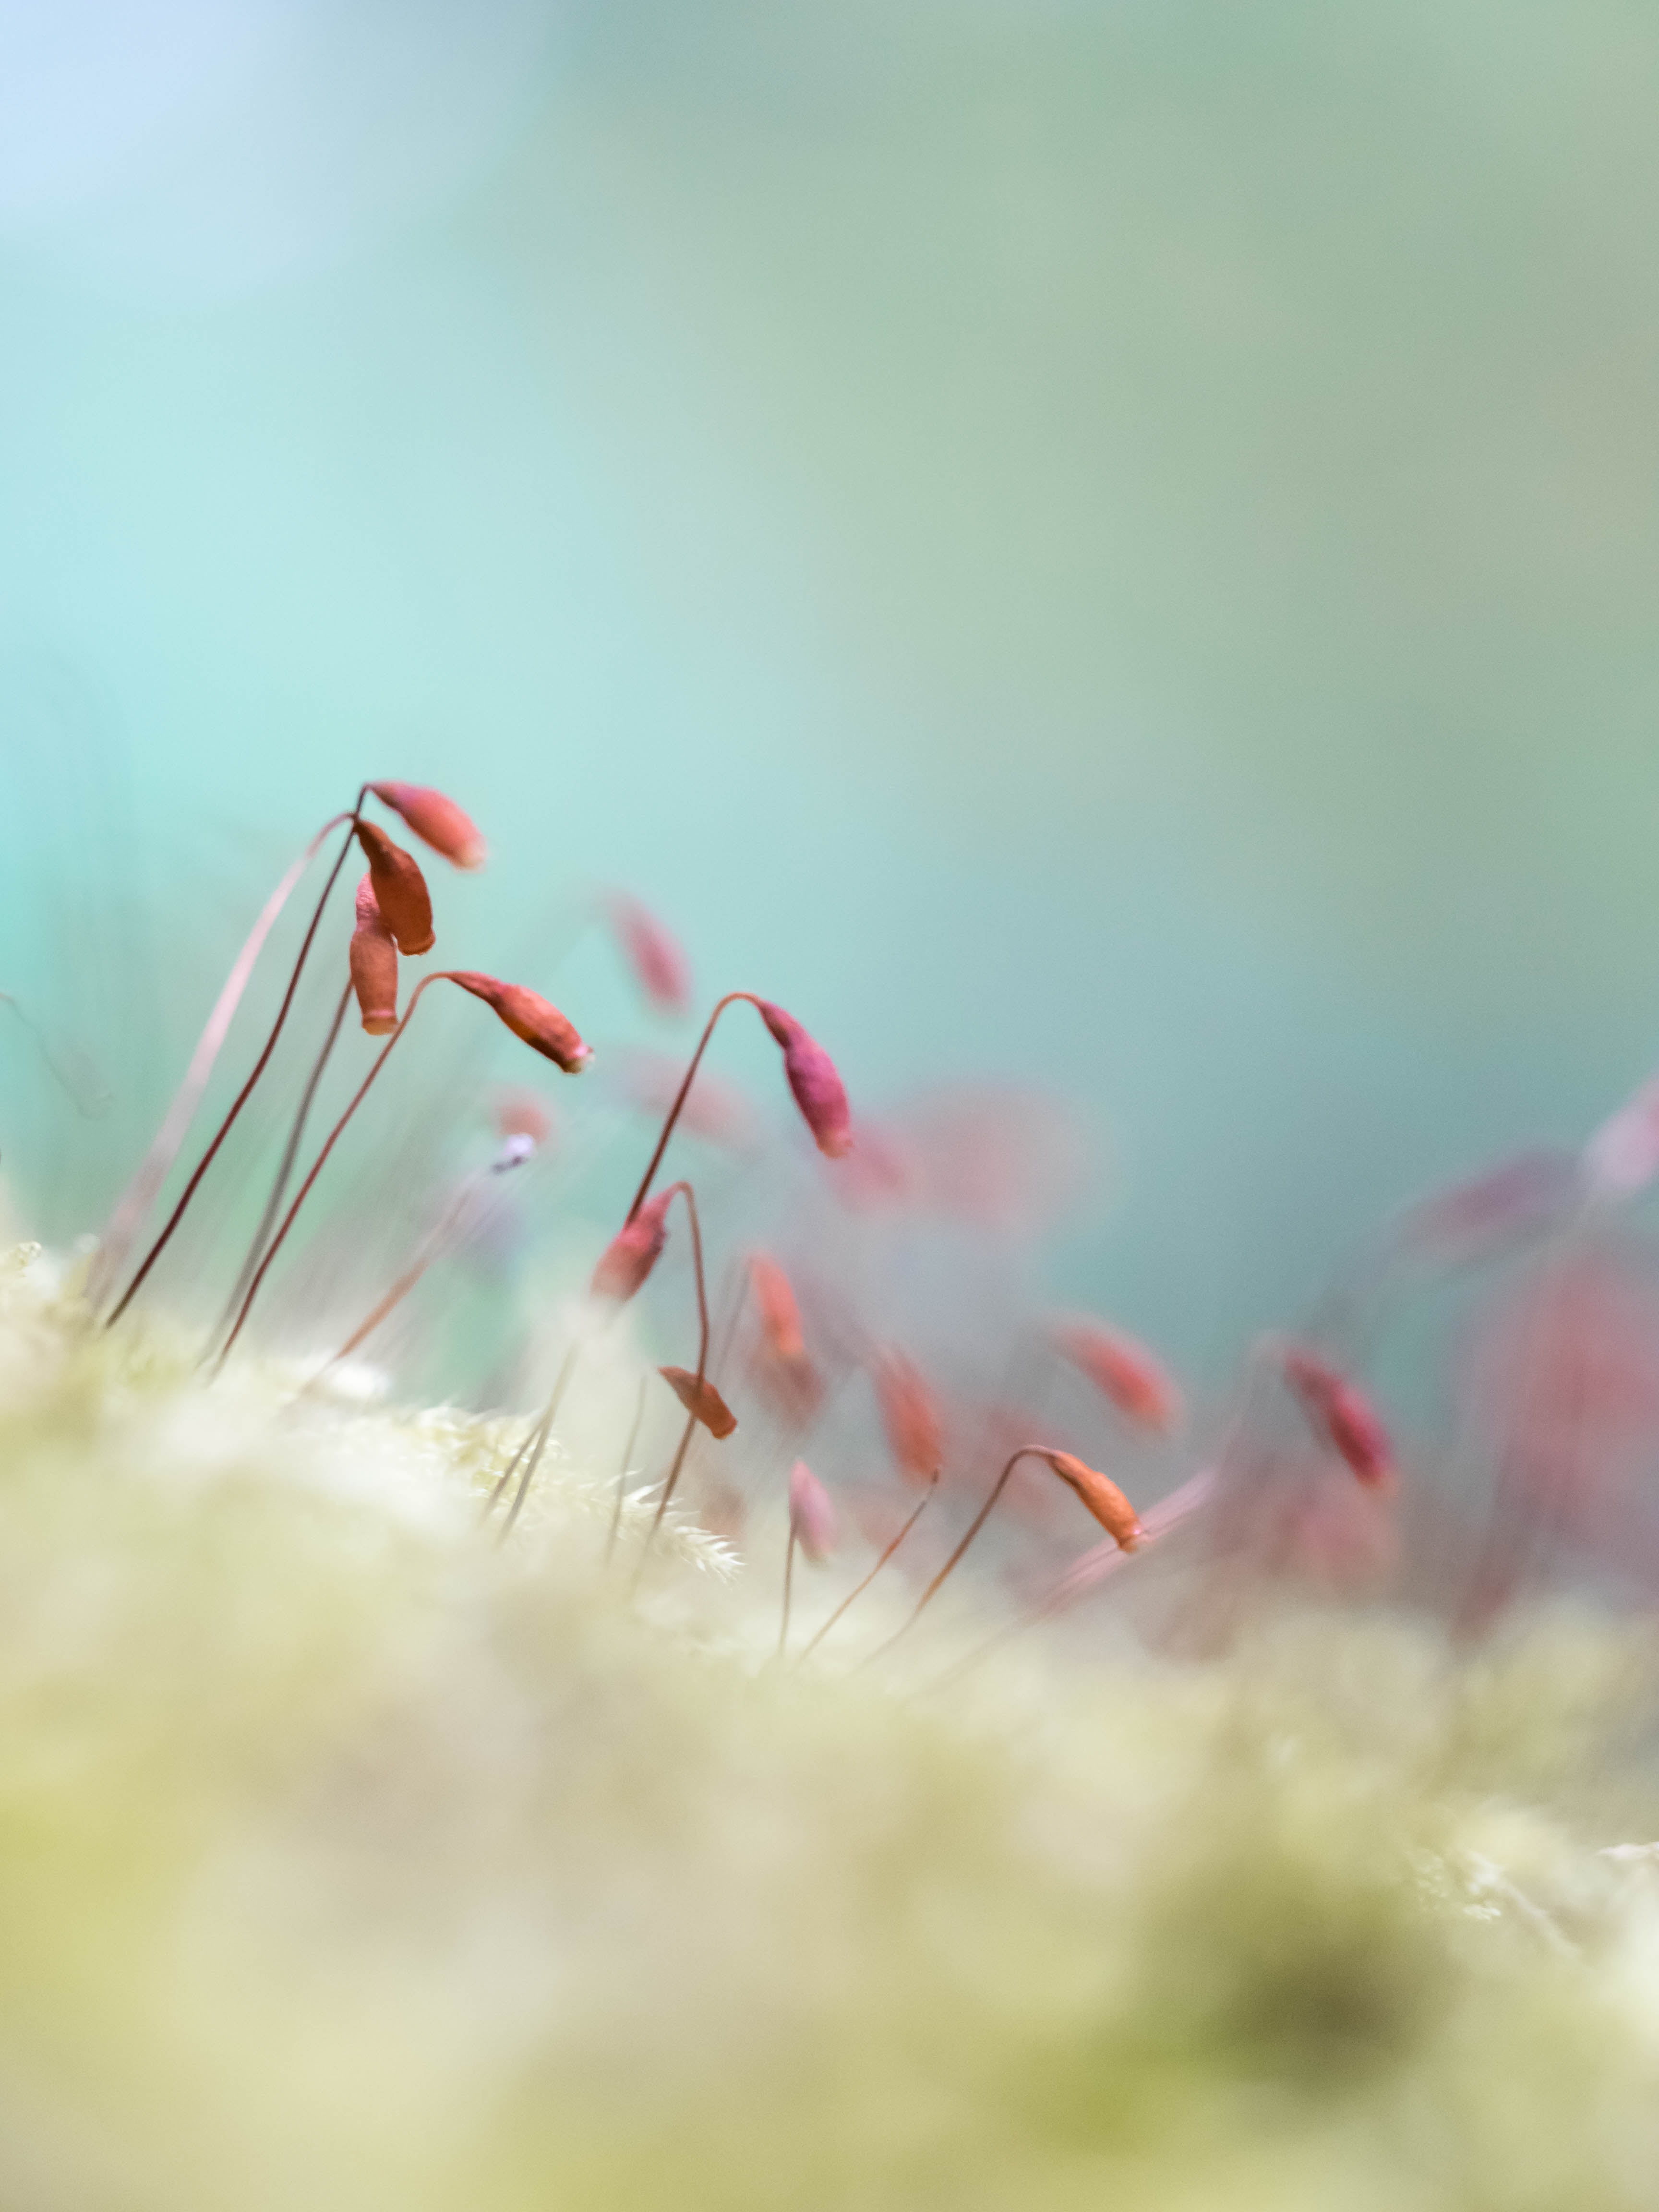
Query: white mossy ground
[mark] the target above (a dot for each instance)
(347, 1860)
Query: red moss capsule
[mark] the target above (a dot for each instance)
(1343, 1415)
(661, 970)
(812, 1517)
(634, 1251)
(911, 1417)
(715, 1110)
(530, 1017)
(521, 1114)
(436, 821)
(1520, 1195)
(774, 1301)
(818, 1089)
(400, 888)
(781, 1368)
(701, 1400)
(372, 959)
(1101, 1496)
(1121, 1370)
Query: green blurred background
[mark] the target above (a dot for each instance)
(1113, 545)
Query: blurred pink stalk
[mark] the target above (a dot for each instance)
(139, 1195)
(1104, 1559)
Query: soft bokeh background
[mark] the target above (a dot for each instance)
(1111, 543)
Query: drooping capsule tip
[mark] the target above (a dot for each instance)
(437, 821)
(814, 1081)
(812, 1517)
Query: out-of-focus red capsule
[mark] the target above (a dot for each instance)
(701, 1400)
(818, 1089)
(521, 1114)
(781, 1368)
(1523, 1194)
(660, 968)
(634, 1251)
(1101, 1497)
(910, 1417)
(715, 1110)
(774, 1301)
(812, 1517)
(400, 888)
(1122, 1370)
(881, 1171)
(1342, 1414)
(435, 820)
(1562, 1384)
(373, 960)
(531, 1018)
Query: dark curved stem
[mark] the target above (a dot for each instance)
(813, 1644)
(247, 1090)
(1095, 1567)
(681, 1095)
(621, 1473)
(1026, 1452)
(537, 1446)
(285, 1169)
(441, 976)
(686, 1192)
(535, 1429)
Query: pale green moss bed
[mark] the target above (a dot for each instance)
(349, 1860)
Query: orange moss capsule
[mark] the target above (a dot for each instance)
(774, 1300)
(701, 1400)
(910, 1416)
(1101, 1497)
(372, 959)
(1121, 1370)
(436, 821)
(400, 888)
(530, 1017)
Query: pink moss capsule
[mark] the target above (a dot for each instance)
(1622, 1156)
(1101, 1497)
(531, 1018)
(1523, 1194)
(818, 1089)
(812, 1517)
(701, 1400)
(660, 968)
(1343, 1415)
(1121, 1370)
(634, 1251)
(436, 821)
(373, 960)
(910, 1416)
(400, 888)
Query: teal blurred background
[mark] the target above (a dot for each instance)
(1109, 544)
